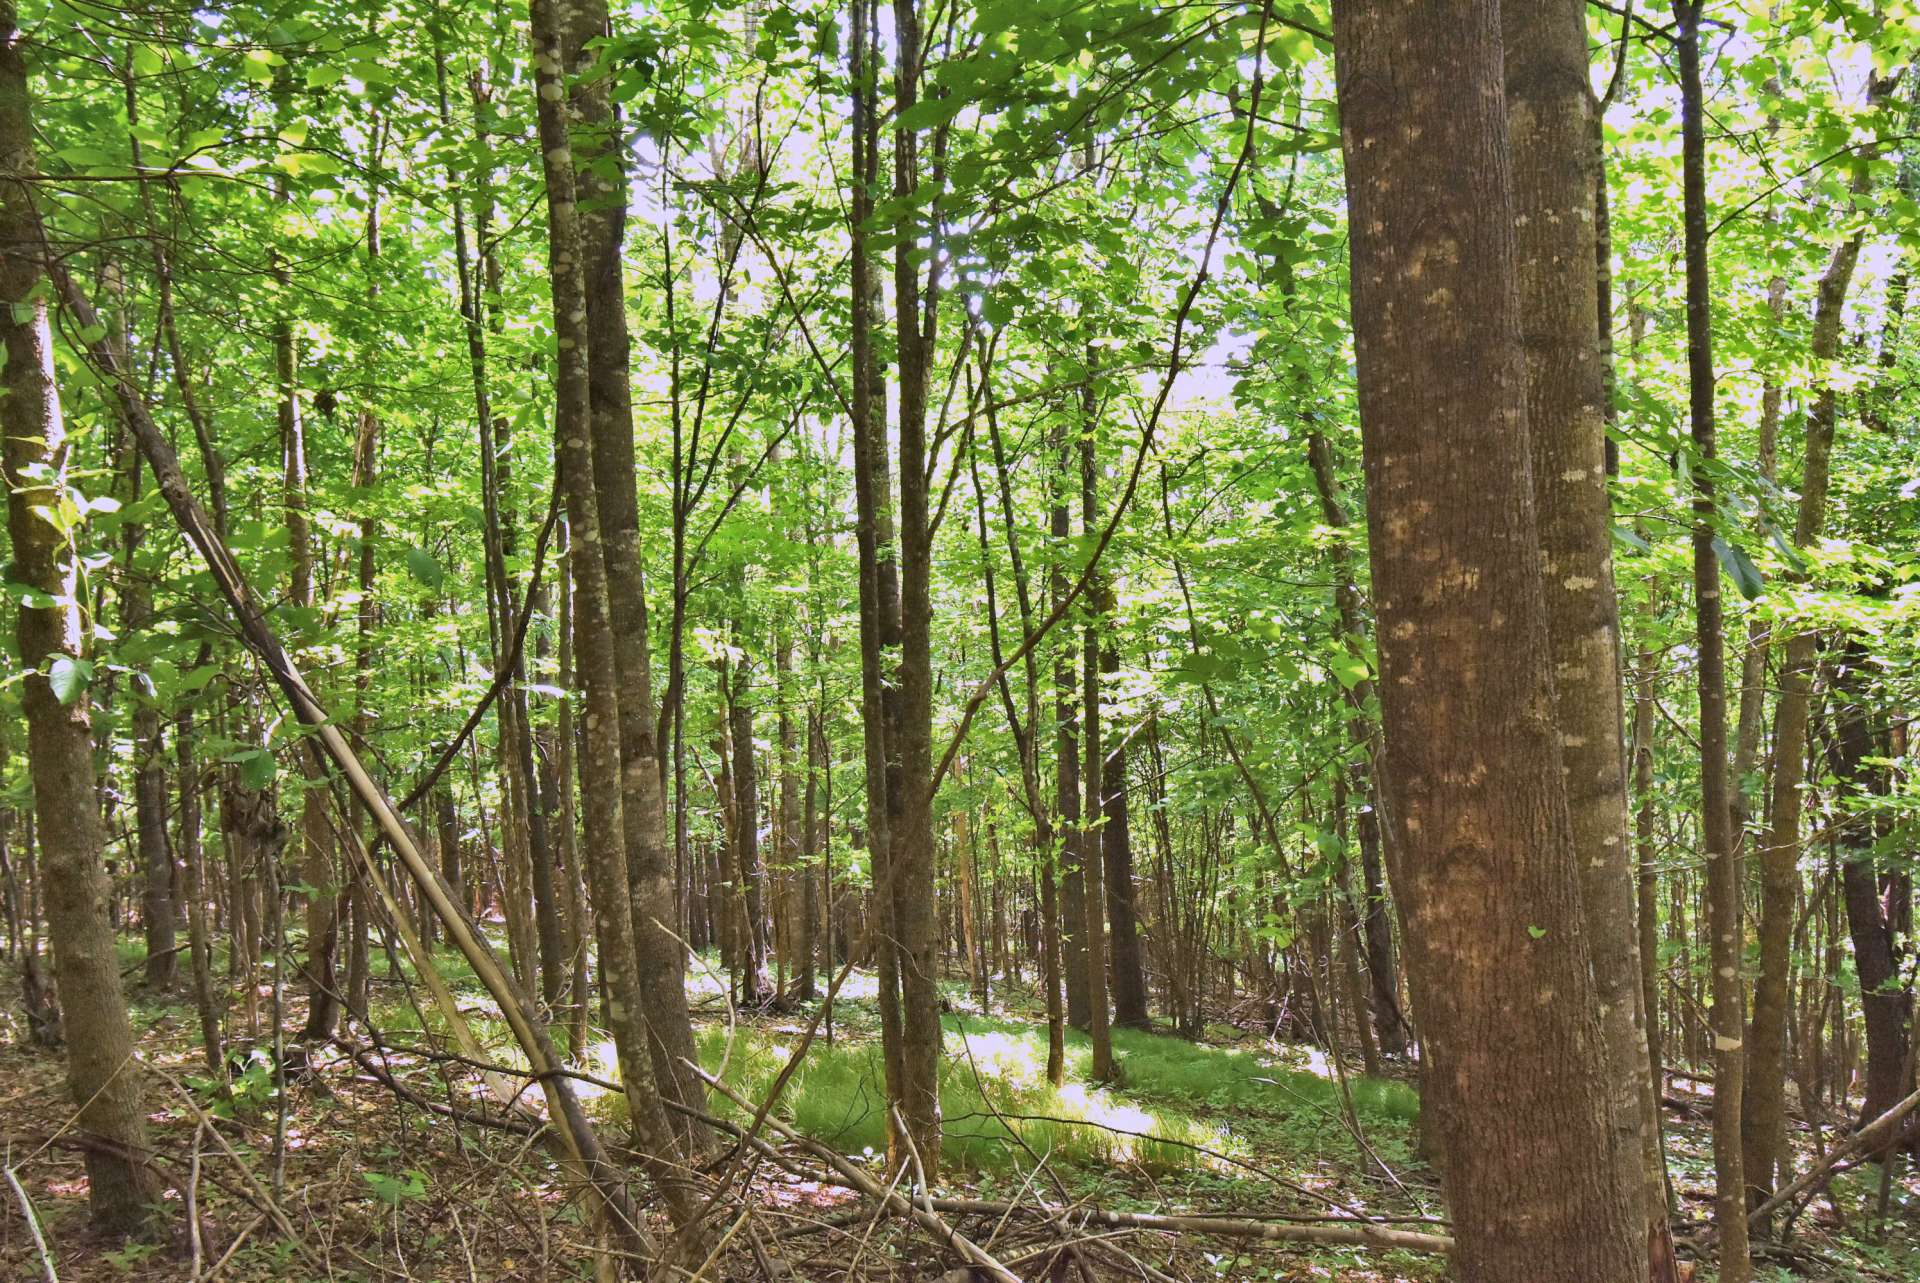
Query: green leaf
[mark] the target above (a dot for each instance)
(930, 111)
(1740, 566)
(257, 770)
(422, 566)
(1631, 538)
(69, 678)
(1537, 933)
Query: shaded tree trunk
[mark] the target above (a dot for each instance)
(1764, 1123)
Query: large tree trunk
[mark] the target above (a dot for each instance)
(1484, 844)
(1548, 102)
(103, 1077)
(1723, 874)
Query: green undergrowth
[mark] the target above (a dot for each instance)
(1177, 1107)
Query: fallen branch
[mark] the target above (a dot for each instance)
(33, 1225)
(922, 1214)
(1874, 1134)
(1327, 1232)
(1352, 1234)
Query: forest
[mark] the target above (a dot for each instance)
(975, 641)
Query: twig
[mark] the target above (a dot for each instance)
(193, 1206)
(927, 1217)
(33, 1226)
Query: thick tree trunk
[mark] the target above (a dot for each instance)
(103, 1077)
(1548, 101)
(1484, 844)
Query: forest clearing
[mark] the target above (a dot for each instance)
(991, 641)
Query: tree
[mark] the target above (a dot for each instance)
(1548, 104)
(103, 1073)
(1484, 845)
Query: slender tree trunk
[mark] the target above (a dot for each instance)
(1484, 843)
(1389, 1025)
(660, 955)
(754, 987)
(1764, 1124)
(1093, 839)
(1116, 849)
(103, 1077)
(910, 859)
(1723, 874)
(600, 761)
(1878, 902)
(194, 865)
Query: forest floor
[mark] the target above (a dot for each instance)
(373, 1187)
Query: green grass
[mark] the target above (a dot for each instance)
(999, 1112)
(1174, 1101)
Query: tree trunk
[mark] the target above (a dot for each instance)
(600, 761)
(1764, 1124)
(660, 955)
(1484, 844)
(1389, 1025)
(103, 1077)
(194, 887)
(1548, 101)
(1723, 874)
(1093, 839)
(754, 988)
(1878, 903)
(1116, 849)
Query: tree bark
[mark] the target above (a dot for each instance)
(1723, 874)
(1484, 843)
(1764, 1123)
(660, 955)
(103, 1076)
(1554, 172)
(600, 760)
